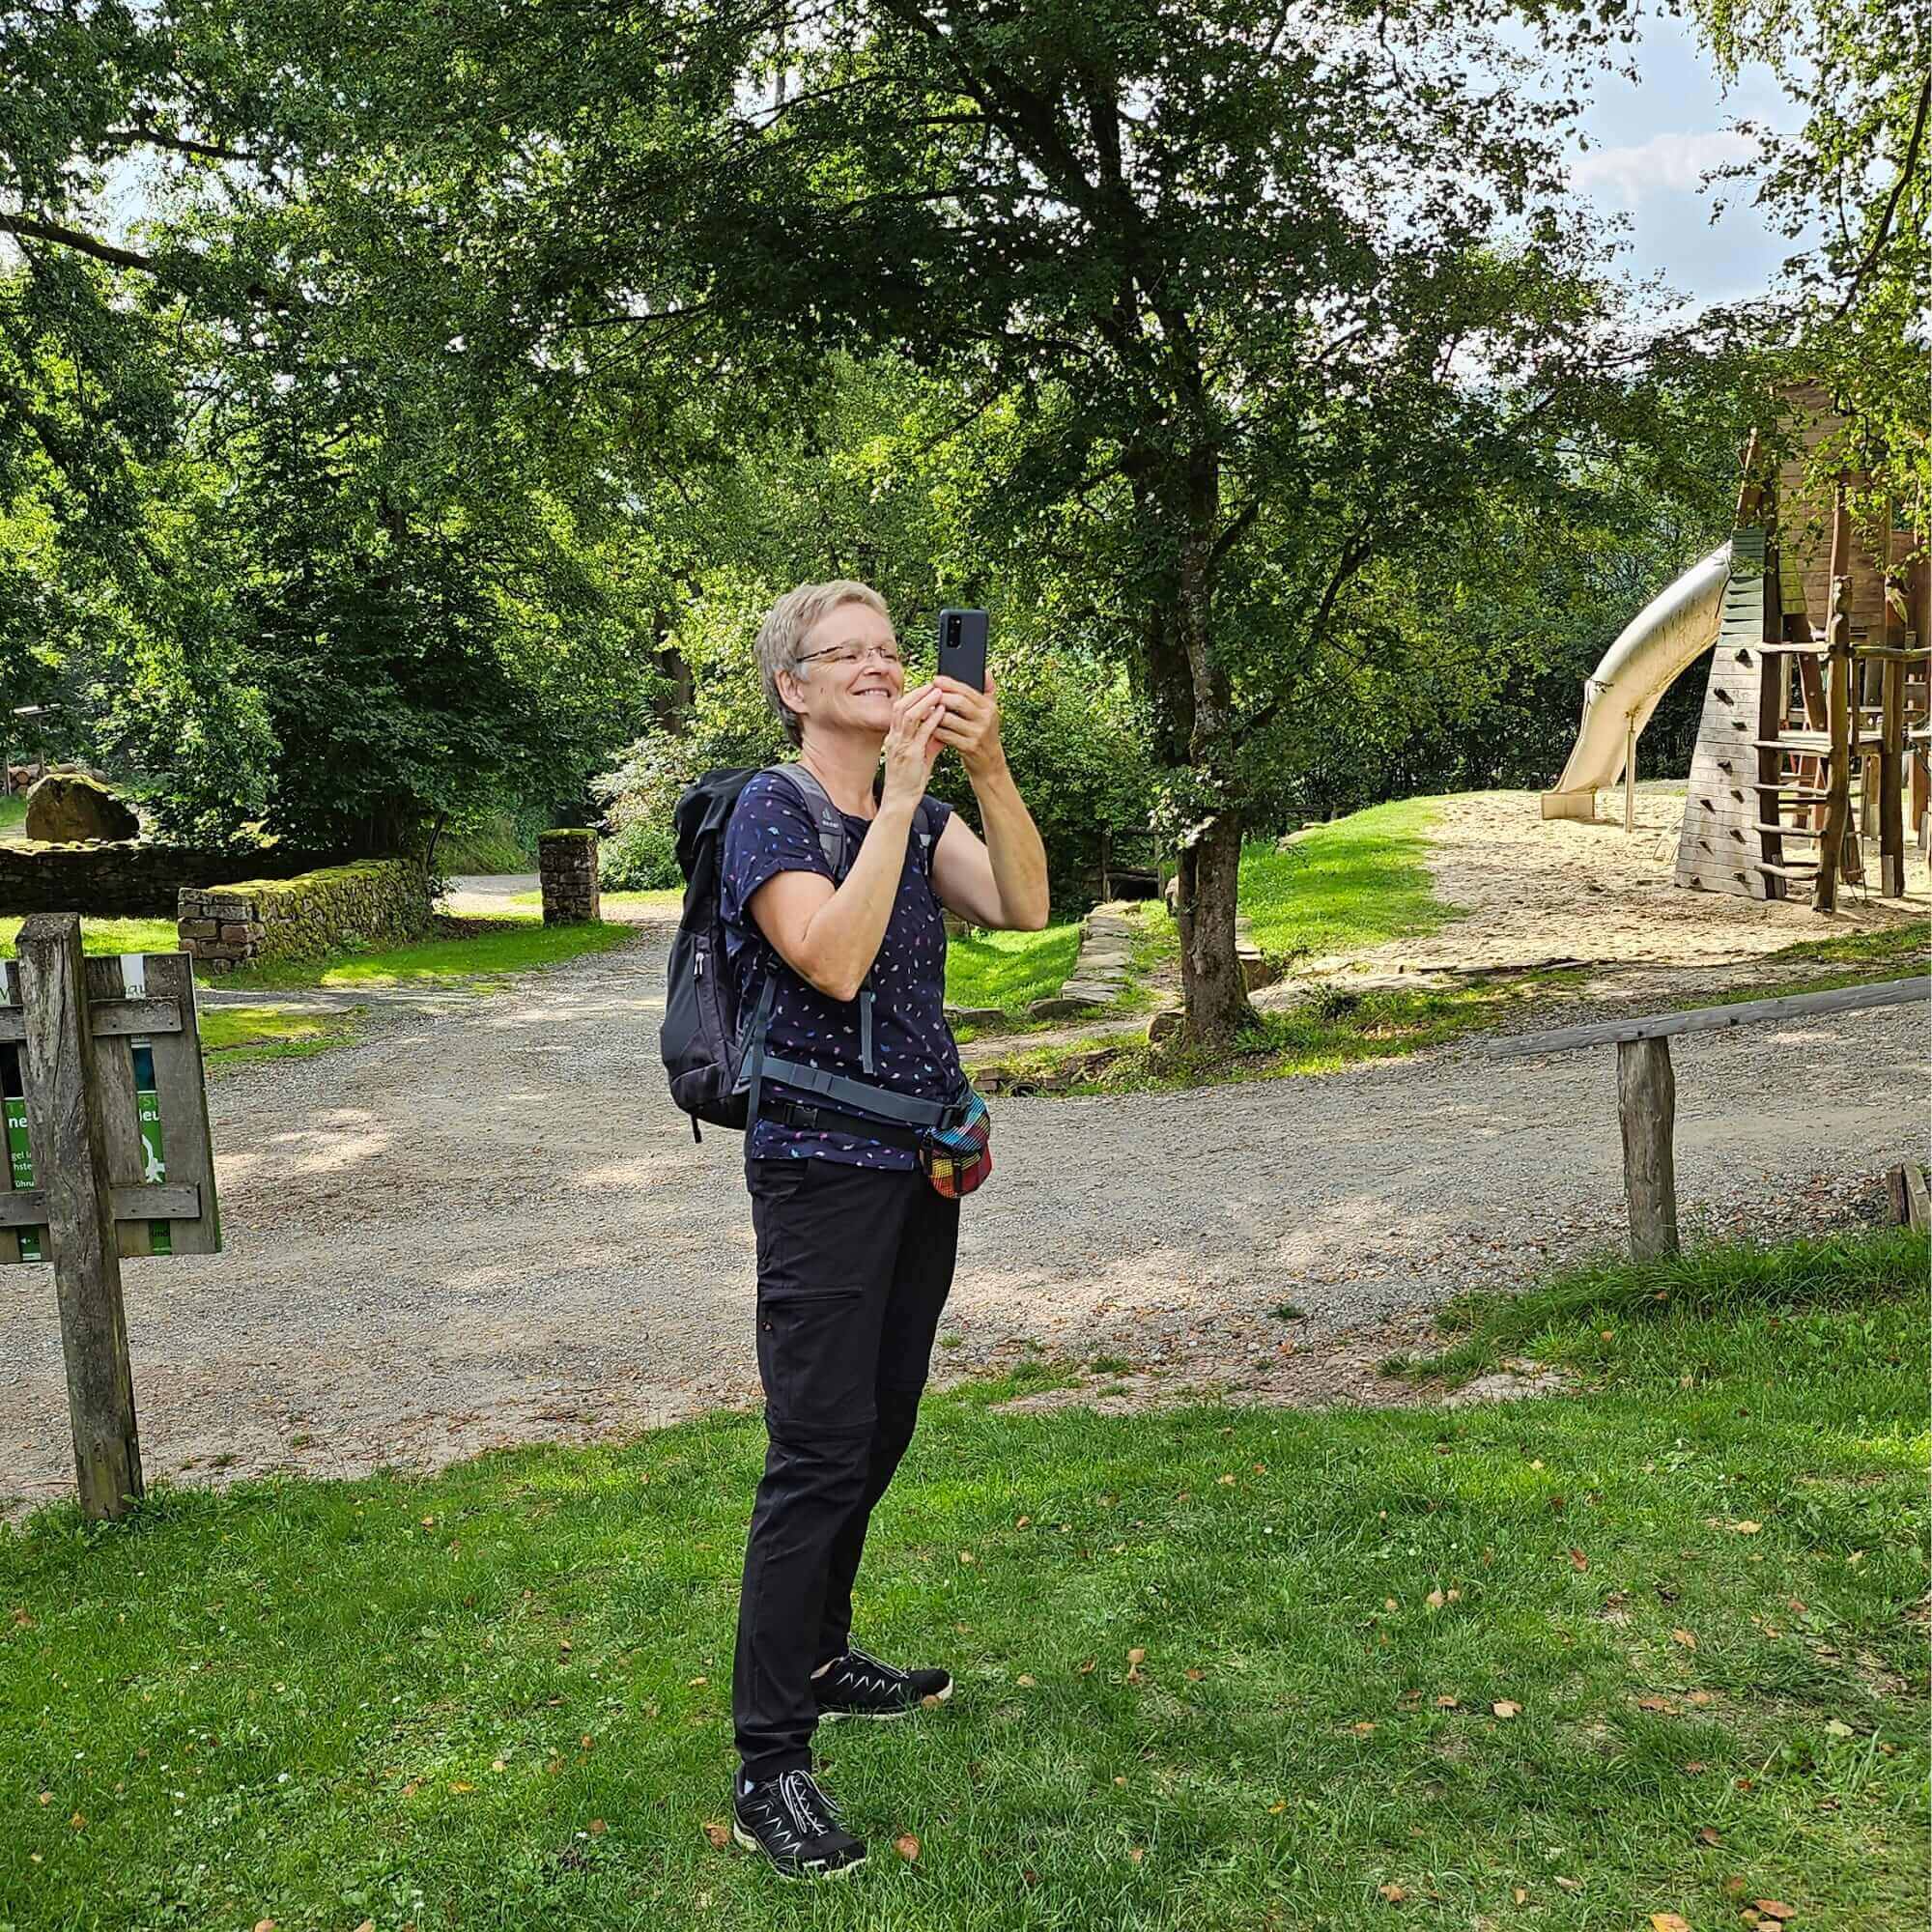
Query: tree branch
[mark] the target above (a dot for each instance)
(146, 134)
(30, 230)
(1905, 172)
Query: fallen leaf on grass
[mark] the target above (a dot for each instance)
(1394, 1894)
(1503, 1708)
(1656, 1704)
(598, 1827)
(1027, 1683)
(1772, 1908)
(1362, 1729)
(719, 1834)
(1695, 1768)
(1137, 1853)
(1577, 1560)
(1709, 1834)
(1684, 1638)
(1195, 1676)
(1448, 1703)
(1570, 1883)
(367, 1925)
(1668, 1922)
(1747, 1528)
(1435, 1600)
(906, 1846)
(46, 1798)
(929, 1702)
(459, 1786)
(1087, 1668)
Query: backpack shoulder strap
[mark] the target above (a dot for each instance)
(826, 816)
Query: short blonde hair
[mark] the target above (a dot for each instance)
(784, 629)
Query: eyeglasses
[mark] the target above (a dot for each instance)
(851, 654)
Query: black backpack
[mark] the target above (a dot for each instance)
(716, 1056)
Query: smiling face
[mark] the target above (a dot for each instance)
(846, 696)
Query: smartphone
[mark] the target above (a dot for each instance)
(963, 646)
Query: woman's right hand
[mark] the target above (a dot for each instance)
(911, 745)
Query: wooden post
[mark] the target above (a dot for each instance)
(1647, 1105)
(1837, 720)
(71, 1163)
(1630, 772)
(1891, 735)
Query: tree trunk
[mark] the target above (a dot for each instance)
(1213, 992)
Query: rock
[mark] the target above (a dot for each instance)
(1256, 971)
(1069, 1006)
(67, 807)
(1165, 1025)
(975, 1017)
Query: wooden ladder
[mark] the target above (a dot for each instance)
(1807, 770)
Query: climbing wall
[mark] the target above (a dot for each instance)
(1721, 849)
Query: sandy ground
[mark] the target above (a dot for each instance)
(487, 1224)
(1533, 890)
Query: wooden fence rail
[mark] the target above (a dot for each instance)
(1647, 1086)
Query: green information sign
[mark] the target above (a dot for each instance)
(148, 1111)
(19, 1156)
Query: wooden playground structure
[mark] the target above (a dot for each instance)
(1817, 728)
(1814, 734)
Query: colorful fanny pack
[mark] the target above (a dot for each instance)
(958, 1158)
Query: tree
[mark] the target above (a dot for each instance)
(1850, 188)
(1269, 292)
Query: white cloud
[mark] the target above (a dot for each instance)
(1672, 162)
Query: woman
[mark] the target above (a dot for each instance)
(855, 1245)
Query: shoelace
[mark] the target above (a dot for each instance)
(799, 1793)
(888, 1676)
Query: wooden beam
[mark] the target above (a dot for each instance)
(71, 1163)
(1647, 1108)
(109, 1019)
(1716, 1020)
(168, 1200)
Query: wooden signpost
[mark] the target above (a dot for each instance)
(107, 1132)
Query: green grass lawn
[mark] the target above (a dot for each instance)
(240, 1036)
(12, 813)
(1561, 1664)
(1343, 885)
(482, 950)
(102, 936)
(1009, 970)
(486, 950)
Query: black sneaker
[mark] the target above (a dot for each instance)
(859, 1686)
(795, 1825)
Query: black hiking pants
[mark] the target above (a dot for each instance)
(854, 1266)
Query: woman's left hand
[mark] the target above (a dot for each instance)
(972, 726)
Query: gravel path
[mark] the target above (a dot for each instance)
(490, 1225)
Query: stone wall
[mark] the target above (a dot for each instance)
(123, 878)
(567, 869)
(374, 901)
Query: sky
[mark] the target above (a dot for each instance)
(1651, 143)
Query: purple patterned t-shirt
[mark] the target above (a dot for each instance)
(913, 1051)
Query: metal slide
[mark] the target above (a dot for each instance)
(1651, 651)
